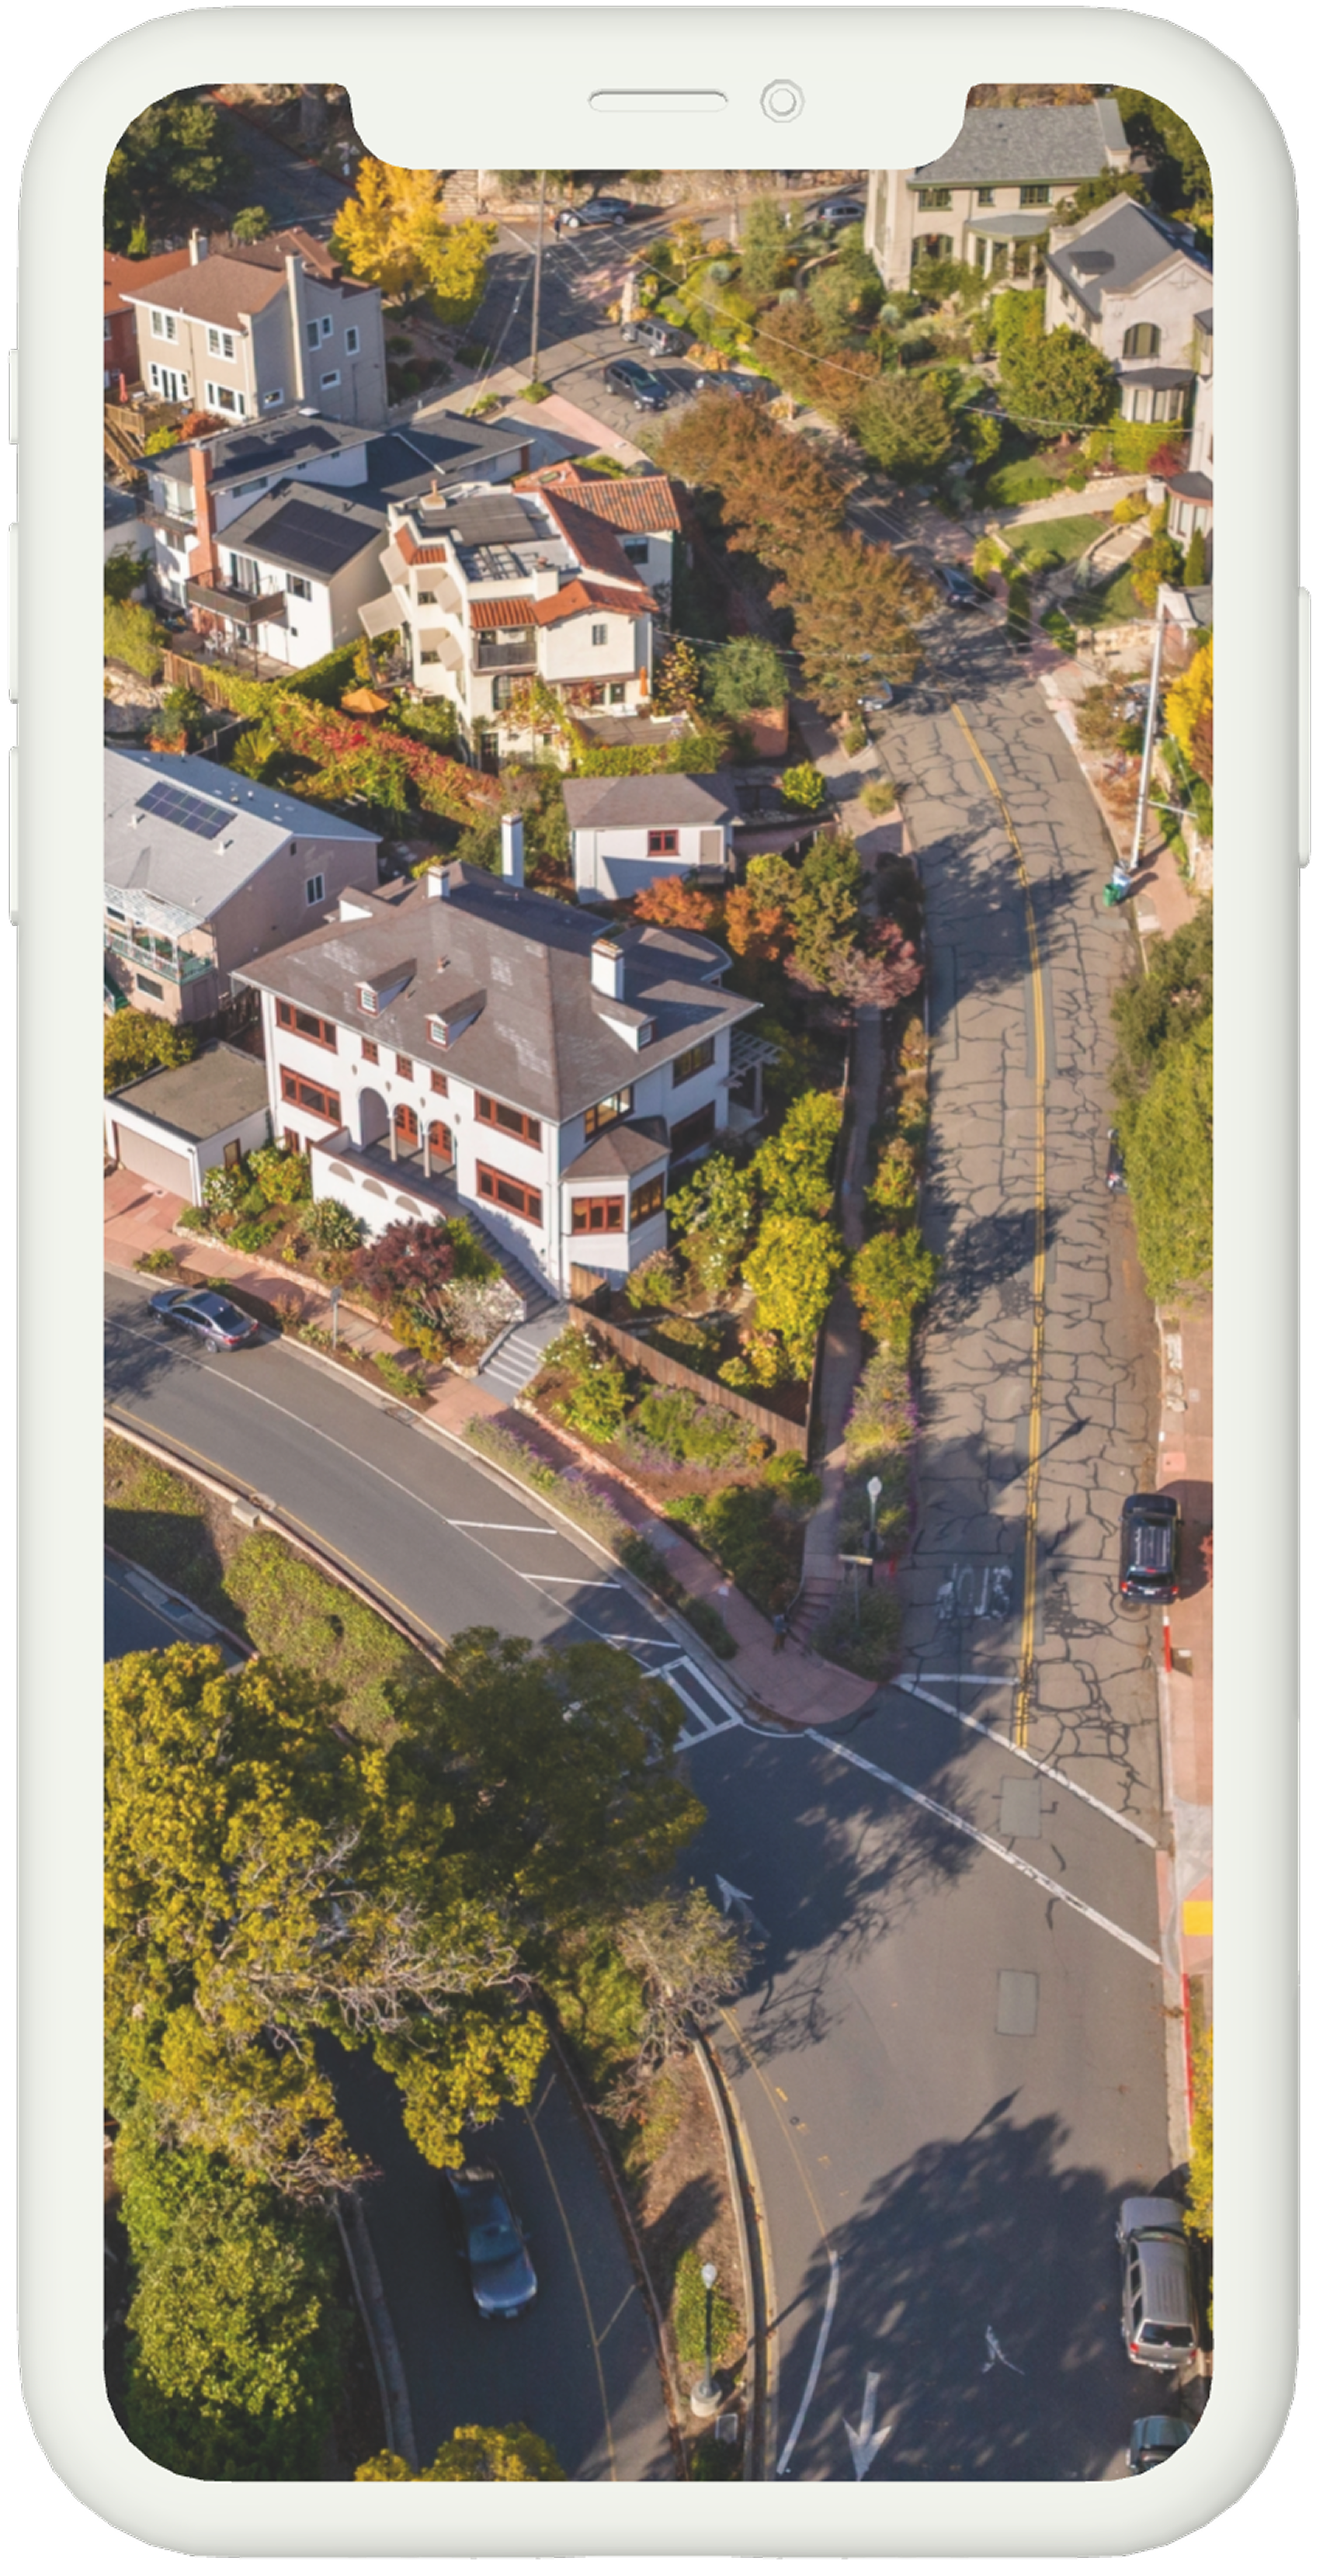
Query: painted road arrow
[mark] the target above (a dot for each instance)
(865, 2444)
(731, 1896)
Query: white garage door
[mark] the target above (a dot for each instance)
(154, 1162)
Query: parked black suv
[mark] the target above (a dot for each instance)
(596, 210)
(626, 376)
(1151, 1534)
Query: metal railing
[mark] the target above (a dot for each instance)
(162, 957)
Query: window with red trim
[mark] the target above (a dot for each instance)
(305, 1094)
(511, 1122)
(371, 1053)
(440, 1084)
(404, 1067)
(599, 1216)
(647, 1200)
(694, 1061)
(505, 1191)
(663, 845)
(305, 1024)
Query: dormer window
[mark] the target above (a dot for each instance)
(367, 998)
(437, 1030)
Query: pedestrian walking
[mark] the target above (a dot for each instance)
(781, 1626)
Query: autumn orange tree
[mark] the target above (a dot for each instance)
(676, 904)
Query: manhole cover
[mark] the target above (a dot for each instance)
(1018, 2003)
(1019, 1806)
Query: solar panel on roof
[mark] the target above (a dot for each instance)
(173, 804)
(324, 539)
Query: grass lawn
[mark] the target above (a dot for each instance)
(1116, 605)
(1054, 541)
(255, 1584)
(1019, 480)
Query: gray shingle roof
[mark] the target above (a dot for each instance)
(291, 438)
(621, 1152)
(404, 463)
(997, 145)
(638, 804)
(1129, 242)
(222, 1086)
(307, 528)
(539, 1041)
(181, 867)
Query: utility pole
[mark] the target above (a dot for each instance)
(538, 284)
(1148, 738)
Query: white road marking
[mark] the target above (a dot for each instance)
(587, 1582)
(515, 1529)
(962, 1825)
(865, 2444)
(1074, 1788)
(819, 2356)
(997, 2354)
(734, 1896)
(975, 1681)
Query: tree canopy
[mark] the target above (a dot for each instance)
(903, 424)
(394, 234)
(1181, 178)
(767, 247)
(477, 2454)
(176, 161)
(138, 1042)
(1058, 383)
(1163, 1082)
(745, 674)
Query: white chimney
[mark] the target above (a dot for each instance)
(608, 966)
(296, 278)
(512, 849)
(196, 252)
(437, 883)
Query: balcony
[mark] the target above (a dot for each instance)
(499, 651)
(161, 956)
(244, 607)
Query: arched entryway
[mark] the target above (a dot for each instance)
(408, 1135)
(440, 1146)
(373, 1118)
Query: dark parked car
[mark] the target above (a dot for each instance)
(748, 388)
(1159, 2325)
(219, 1324)
(1116, 1177)
(961, 588)
(626, 376)
(596, 210)
(501, 2276)
(1151, 1534)
(659, 338)
(1156, 2438)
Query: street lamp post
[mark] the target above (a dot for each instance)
(874, 1489)
(707, 2394)
(538, 282)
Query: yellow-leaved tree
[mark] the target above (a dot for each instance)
(476, 2454)
(1188, 710)
(393, 233)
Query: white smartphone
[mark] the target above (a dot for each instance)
(663, 1277)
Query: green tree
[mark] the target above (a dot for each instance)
(1017, 317)
(745, 674)
(251, 224)
(1056, 384)
(903, 424)
(1153, 1011)
(767, 247)
(853, 606)
(686, 1960)
(131, 635)
(269, 1879)
(122, 573)
(792, 1270)
(824, 918)
(713, 1210)
(138, 1042)
(792, 1170)
(234, 2343)
(1161, 559)
(477, 2455)
(1195, 561)
(890, 1277)
(1167, 1140)
(1201, 2174)
(1181, 178)
(174, 162)
(1090, 193)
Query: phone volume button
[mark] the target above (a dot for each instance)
(1304, 704)
(14, 832)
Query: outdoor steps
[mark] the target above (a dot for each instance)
(516, 1359)
(819, 1594)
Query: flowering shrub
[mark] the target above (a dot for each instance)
(405, 1261)
(334, 1228)
(803, 787)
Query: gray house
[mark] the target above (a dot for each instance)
(1134, 286)
(204, 871)
(625, 832)
(254, 329)
(986, 200)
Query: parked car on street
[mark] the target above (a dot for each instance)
(840, 210)
(214, 1320)
(961, 588)
(626, 376)
(501, 2275)
(1151, 1537)
(659, 338)
(1116, 1178)
(595, 210)
(1159, 2322)
(750, 388)
(1155, 2438)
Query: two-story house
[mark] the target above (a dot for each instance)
(467, 1042)
(987, 199)
(120, 341)
(1190, 493)
(270, 534)
(254, 329)
(203, 870)
(495, 589)
(625, 832)
(1133, 284)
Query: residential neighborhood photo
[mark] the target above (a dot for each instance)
(657, 1000)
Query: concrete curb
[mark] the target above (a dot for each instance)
(369, 2291)
(730, 2122)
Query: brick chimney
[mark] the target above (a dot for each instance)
(202, 559)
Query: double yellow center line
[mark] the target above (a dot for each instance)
(1026, 1678)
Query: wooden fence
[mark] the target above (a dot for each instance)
(779, 1428)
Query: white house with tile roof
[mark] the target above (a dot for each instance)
(493, 589)
(466, 1042)
(640, 507)
(1134, 285)
(625, 832)
(986, 200)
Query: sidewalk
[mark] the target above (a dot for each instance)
(794, 1686)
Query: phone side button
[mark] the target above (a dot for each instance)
(13, 398)
(13, 637)
(1304, 701)
(14, 833)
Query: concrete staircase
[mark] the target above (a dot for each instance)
(515, 1359)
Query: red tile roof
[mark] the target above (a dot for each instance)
(576, 596)
(596, 546)
(502, 612)
(639, 504)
